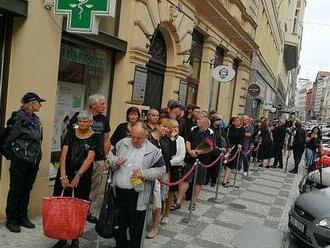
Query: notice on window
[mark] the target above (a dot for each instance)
(70, 99)
(139, 86)
(182, 92)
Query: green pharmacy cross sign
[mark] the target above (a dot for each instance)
(82, 14)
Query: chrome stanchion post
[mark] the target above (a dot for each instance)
(215, 198)
(143, 237)
(287, 160)
(187, 221)
(236, 169)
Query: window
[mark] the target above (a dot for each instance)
(83, 70)
(195, 62)
(214, 94)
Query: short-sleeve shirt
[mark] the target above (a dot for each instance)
(196, 138)
(78, 150)
(100, 126)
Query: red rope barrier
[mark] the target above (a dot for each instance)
(213, 163)
(180, 180)
(233, 157)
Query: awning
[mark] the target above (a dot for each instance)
(14, 7)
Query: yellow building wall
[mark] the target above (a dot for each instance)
(34, 67)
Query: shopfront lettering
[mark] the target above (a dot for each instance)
(82, 14)
(79, 56)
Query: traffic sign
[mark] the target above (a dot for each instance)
(82, 14)
(223, 73)
(254, 90)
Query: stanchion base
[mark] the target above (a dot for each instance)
(214, 200)
(191, 223)
(234, 186)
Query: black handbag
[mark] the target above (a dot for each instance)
(107, 225)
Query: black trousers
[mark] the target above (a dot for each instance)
(297, 155)
(129, 218)
(22, 178)
(212, 174)
(278, 155)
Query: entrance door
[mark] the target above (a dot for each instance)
(156, 70)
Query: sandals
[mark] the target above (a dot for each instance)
(192, 207)
(226, 185)
(175, 206)
(152, 234)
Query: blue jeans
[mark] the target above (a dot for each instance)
(309, 157)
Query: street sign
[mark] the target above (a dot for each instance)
(223, 73)
(82, 14)
(254, 90)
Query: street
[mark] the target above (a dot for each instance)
(254, 215)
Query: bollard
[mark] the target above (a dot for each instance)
(236, 169)
(187, 221)
(215, 198)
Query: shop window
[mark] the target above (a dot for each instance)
(83, 70)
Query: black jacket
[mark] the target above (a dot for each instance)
(279, 134)
(25, 137)
(299, 139)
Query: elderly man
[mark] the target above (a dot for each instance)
(101, 126)
(199, 145)
(279, 133)
(137, 163)
(152, 119)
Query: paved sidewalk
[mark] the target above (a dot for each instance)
(253, 215)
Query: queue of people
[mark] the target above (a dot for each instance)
(145, 156)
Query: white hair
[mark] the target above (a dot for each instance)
(85, 115)
(92, 99)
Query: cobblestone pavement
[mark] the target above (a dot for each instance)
(259, 207)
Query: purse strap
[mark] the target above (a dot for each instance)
(62, 194)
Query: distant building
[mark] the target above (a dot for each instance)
(321, 84)
(308, 104)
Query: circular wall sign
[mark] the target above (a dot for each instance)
(223, 73)
(254, 90)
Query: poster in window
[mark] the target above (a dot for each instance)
(70, 99)
(139, 84)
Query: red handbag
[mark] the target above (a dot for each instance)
(64, 218)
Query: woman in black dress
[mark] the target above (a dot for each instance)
(236, 134)
(76, 168)
(123, 130)
(266, 148)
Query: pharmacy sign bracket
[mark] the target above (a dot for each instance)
(82, 14)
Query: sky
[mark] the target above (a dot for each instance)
(315, 52)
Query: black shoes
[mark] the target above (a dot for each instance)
(13, 226)
(293, 171)
(92, 219)
(60, 244)
(74, 244)
(27, 223)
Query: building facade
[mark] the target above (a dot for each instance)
(320, 85)
(308, 104)
(275, 66)
(302, 88)
(150, 51)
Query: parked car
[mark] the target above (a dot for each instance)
(309, 218)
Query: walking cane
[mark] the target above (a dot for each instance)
(236, 169)
(187, 221)
(255, 168)
(215, 198)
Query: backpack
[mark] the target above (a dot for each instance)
(5, 143)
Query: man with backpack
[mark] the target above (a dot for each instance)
(21, 143)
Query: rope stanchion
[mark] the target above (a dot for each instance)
(255, 169)
(236, 169)
(215, 198)
(187, 221)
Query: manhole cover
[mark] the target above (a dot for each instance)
(238, 206)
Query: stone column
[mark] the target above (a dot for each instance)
(205, 78)
(226, 90)
(242, 83)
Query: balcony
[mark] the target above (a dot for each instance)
(14, 7)
(291, 46)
